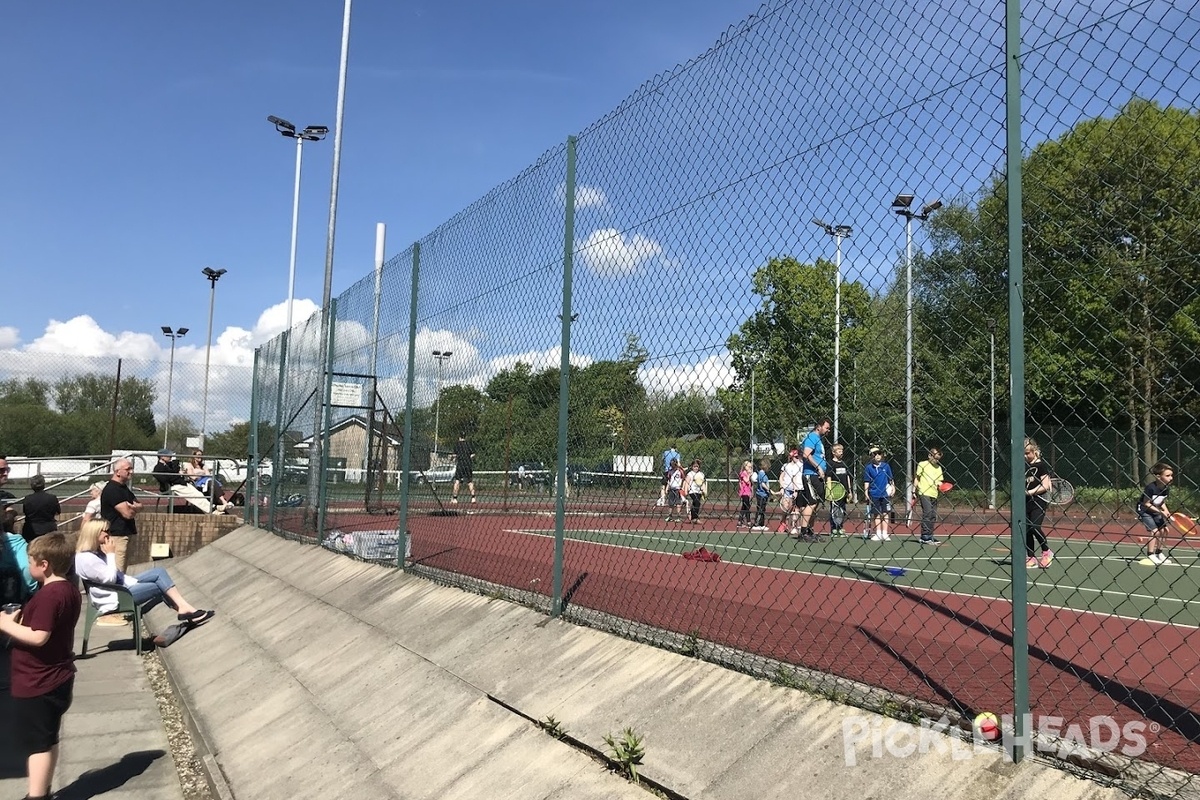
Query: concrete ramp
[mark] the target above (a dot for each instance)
(323, 677)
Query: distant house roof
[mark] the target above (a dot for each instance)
(392, 435)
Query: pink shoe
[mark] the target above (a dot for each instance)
(1031, 562)
(1046, 560)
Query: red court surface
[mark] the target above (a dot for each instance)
(940, 647)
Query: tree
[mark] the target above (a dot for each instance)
(788, 343)
(30, 391)
(93, 392)
(1111, 229)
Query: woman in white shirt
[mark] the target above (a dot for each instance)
(95, 559)
(92, 511)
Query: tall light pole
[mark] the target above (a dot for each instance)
(172, 335)
(442, 357)
(991, 324)
(213, 275)
(753, 369)
(838, 232)
(312, 133)
(901, 205)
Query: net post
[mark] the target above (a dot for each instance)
(406, 445)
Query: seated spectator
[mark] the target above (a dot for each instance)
(206, 481)
(95, 560)
(171, 480)
(41, 510)
(92, 511)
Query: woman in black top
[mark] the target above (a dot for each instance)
(1037, 484)
(41, 510)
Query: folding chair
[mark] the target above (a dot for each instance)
(125, 605)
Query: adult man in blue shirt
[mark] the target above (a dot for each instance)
(812, 454)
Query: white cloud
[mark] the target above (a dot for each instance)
(610, 254)
(9, 337)
(707, 376)
(585, 196)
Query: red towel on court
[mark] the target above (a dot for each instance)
(702, 554)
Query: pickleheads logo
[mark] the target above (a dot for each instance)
(1052, 736)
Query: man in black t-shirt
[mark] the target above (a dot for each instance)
(464, 467)
(119, 506)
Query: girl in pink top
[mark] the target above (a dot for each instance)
(745, 489)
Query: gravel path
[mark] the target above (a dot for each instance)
(191, 775)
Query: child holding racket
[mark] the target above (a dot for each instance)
(879, 485)
(926, 485)
(839, 472)
(1152, 511)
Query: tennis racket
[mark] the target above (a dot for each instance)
(1061, 492)
(835, 491)
(1185, 524)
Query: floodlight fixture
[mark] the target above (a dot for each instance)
(282, 125)
(902, 200)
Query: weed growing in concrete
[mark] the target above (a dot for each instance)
(786, 678)
(626, 752)
(691, 645)
(553, 727)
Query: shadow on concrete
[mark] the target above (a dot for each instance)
(574, 587)
(106, 779)
(12, 765)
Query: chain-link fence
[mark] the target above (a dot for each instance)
(54, 405)
(803, 239)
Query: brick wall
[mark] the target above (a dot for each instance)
(185, 533)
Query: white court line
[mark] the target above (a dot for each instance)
(871, 564)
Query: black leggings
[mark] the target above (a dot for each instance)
(760, 512)
(1035, 514)
(744, 513)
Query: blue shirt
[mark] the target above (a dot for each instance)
(762, 484)
(877, 477)
(669, 455)
(17, 559)
(813, 442)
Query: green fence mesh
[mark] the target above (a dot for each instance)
(799, 240)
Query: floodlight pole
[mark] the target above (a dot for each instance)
(172, 335)
(753, 369)
(901, 206)
(991, 323)
(312, 133)
(838, 232)
(213, 275)
(442, 357)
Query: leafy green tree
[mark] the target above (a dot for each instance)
(1111, 229)
(30, 391)
(93, 392)
(788, 344)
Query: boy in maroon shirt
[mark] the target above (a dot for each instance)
(43, 668)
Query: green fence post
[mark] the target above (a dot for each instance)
(326, 422)
(277, 466)
(250, 510)
(1016, 345)
(406, 446)
(564, 382)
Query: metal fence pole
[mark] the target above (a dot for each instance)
(1016, 339)
(564, 381)
(277, 462)
(250, 510)
(327, 422)
(406, 446)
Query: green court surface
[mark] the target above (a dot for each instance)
(1087, 575)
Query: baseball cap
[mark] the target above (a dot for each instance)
(166, 452)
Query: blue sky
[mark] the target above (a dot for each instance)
(143, 154)
(137, 149)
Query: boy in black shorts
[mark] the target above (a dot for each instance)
(43, 668)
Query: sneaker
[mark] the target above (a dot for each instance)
(877, 537)
(931, 540)
(454, 501)
(659, 502)
(1031, 562)
(1165, 560)
(474, 499)
(1047, 559)
(887, 537)
(758, 527)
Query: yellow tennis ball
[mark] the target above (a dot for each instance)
(987, 726)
